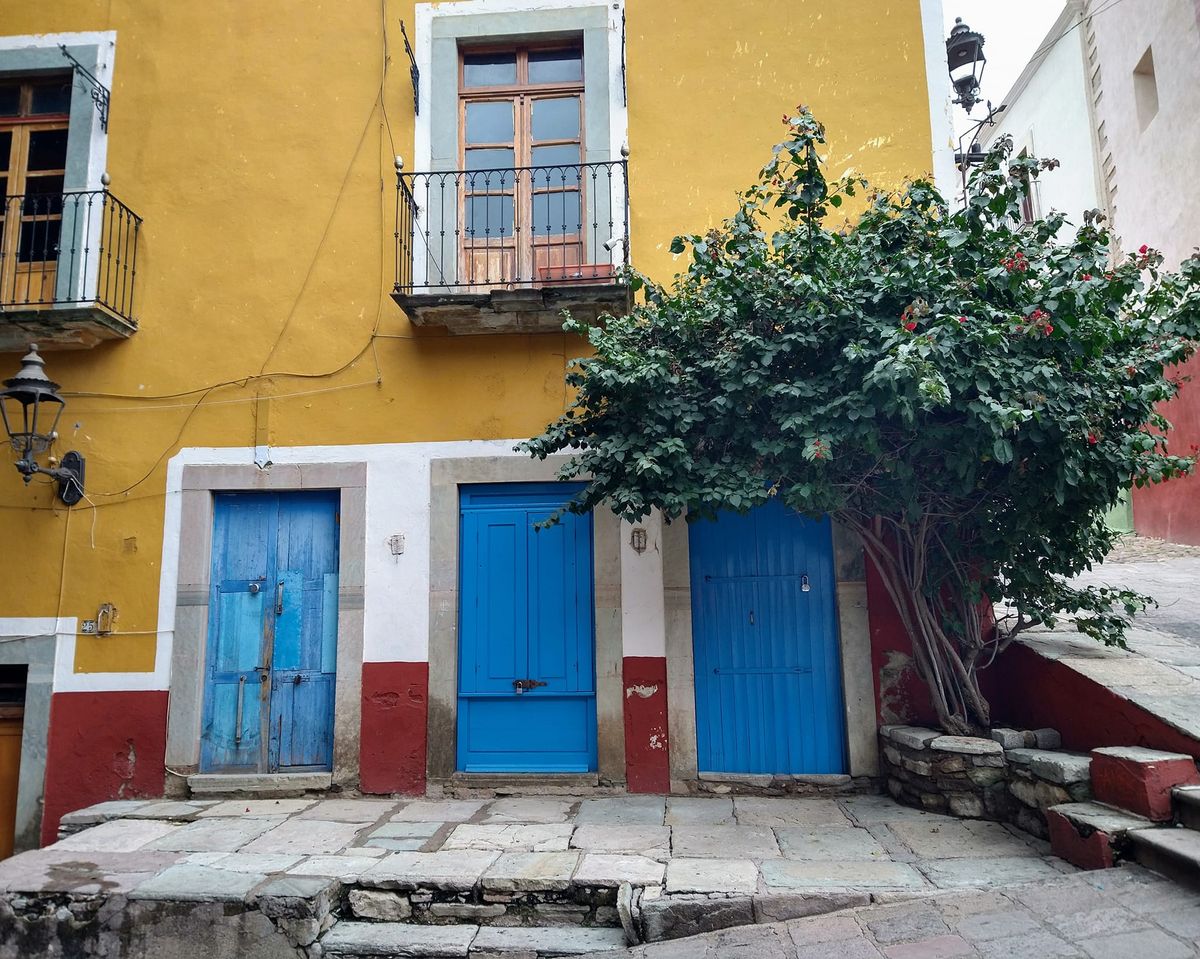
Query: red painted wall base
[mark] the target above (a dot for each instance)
(647, 753)
(395, 698)
(1028, 691)
(109, 745)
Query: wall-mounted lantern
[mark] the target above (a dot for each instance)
(638, 539)
(30, 407)
(964, 55)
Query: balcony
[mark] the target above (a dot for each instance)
(508, 250)
(67, 268)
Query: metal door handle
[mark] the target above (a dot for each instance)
(237, 728)
(279, 598)
(297, 680)
(254, 588)
(804, 587)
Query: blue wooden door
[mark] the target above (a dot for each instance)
(526, 670)
(272, 635)
(767, 667)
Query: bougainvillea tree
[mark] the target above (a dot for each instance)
(963, 389)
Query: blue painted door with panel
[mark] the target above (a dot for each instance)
(272, 637)
(526, 672)
(764, 626)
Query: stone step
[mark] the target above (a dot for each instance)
(1141, 780)
(1173, 852)
(388, 940)
(258, 784)
(1091, 835)
(1187, 805)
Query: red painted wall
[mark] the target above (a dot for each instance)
(901, 696)
(395, 698)
(109, 745)
(1028, 691)
(647, 753)
(1168, 510)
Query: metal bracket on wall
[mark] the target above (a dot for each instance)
(100, 93)
(413, 70)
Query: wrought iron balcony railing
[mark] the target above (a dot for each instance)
(476, 231)
(68, 249)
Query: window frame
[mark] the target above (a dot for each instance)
(523, 242)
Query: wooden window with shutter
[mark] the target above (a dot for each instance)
(521, 128)
(33, 160)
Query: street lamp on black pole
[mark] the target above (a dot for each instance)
(966, 61)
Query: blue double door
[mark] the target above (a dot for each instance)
(764, 627)
(526, 669)
(272, 633)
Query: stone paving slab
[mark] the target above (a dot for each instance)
(623, 810)
(306, 836)
(242, 808)
(527, 811)
(543, 941)
(118, 835)
(454, 869)
(956, 873)
(600, 869)
(690, 810)
(396, 939)
(350, 810)
(537, 837)
(951, 840)
(531, 871)
(829, 843)
(754, 811)
(750, 842)
(712, 875)
(449, 810)
(798, 874)
(243, 862)
(217, 835)
(57, 870)
(652, 841)
(191, 883)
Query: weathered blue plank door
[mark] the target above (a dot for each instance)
(768, 674)
(526, 672)
(272, 635)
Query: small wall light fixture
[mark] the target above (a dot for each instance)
(30, 406)
(638, 539)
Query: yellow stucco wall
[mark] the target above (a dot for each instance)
(251, 139)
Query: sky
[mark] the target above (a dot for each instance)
(1012, 32)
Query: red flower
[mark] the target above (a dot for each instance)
(1093, 439)
(910, 325)
(1047, 329)
(1143, 249)
(962, 319)
(1087, 276)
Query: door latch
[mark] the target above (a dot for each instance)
(522, 685)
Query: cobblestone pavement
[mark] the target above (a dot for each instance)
(1125, 913)
(669, 846)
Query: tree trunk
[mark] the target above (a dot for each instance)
(944, 660)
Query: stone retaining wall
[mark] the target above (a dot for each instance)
(1013, 776)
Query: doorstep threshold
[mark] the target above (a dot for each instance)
(524, 782)
(258, 784)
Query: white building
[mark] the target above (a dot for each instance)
(1049, 113)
